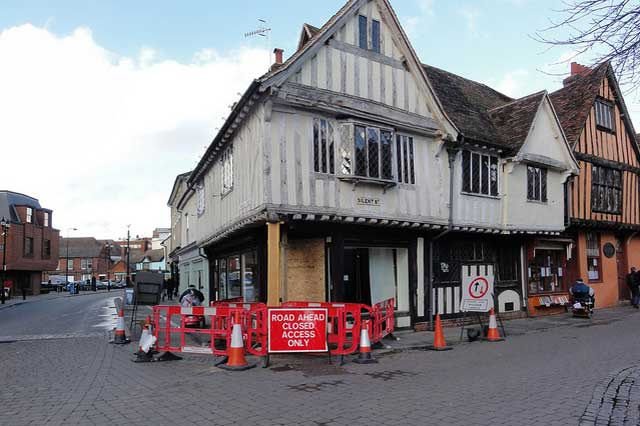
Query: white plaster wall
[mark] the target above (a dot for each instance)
(295, 185)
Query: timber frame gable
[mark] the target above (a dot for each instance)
(277, 78)
(606, 194)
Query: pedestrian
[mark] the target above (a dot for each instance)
(633, 282)
(170, 288)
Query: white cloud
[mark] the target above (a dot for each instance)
(99, 137)
(414, 25)
(514, 83)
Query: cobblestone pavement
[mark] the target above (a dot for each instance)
(560, 376)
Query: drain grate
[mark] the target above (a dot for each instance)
(389, 375)
(313, 387)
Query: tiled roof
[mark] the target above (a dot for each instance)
(513, 120)
(156, 255)
(574, 101)
(307, 33)
(86, 247)
(482, 113)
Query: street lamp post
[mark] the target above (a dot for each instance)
(107, 257)
(4, 223)
(66, 277)
(128, 256)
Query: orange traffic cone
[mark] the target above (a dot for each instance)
(365, 346)
(439, 344)
(236, 360)
(120, 337)
(493, 335)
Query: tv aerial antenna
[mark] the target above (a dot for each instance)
(263, 30)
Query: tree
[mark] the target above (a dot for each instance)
(608, 29)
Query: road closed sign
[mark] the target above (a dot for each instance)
(477, 288)
(297, 330)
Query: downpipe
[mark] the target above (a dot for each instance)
(451, 152)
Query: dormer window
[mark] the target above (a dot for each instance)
(46, 219)
(368, 36)
(29, 215)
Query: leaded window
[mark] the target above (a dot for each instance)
(373, 154)
(323, 147)
(536, 184)
(606, 190)
(479, 173)
(405, 163)
(226, 161)
(604, 114)
(200, 198)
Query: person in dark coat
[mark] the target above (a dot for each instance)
(633, 282)
(170, 288)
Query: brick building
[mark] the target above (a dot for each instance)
(32, 242)
(85, 258)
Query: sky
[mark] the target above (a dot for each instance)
(103, 103)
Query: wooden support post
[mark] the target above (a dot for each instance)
(273, 264)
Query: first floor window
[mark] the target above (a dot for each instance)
(28, 246)
(46, 248)
(200, 198)
(404, 156)
(373, 156)
(479, 173)
(536, 184)
(227, 170)
(593, 256)
(323, 147)
(606, 190)
(83, 263)
(69, 263)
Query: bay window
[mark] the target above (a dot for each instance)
(372, 149)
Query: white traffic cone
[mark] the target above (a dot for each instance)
(365, 346)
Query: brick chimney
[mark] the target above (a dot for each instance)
(278, 63)
(278, 53)
(576, 70)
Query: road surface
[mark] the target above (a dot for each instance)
(66, 373)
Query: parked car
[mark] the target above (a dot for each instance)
(102, 285)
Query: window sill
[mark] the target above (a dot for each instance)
(225, 193)
(544, 203)
(606, 130)
(605, 212)
(472, 194)
(367, 180)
